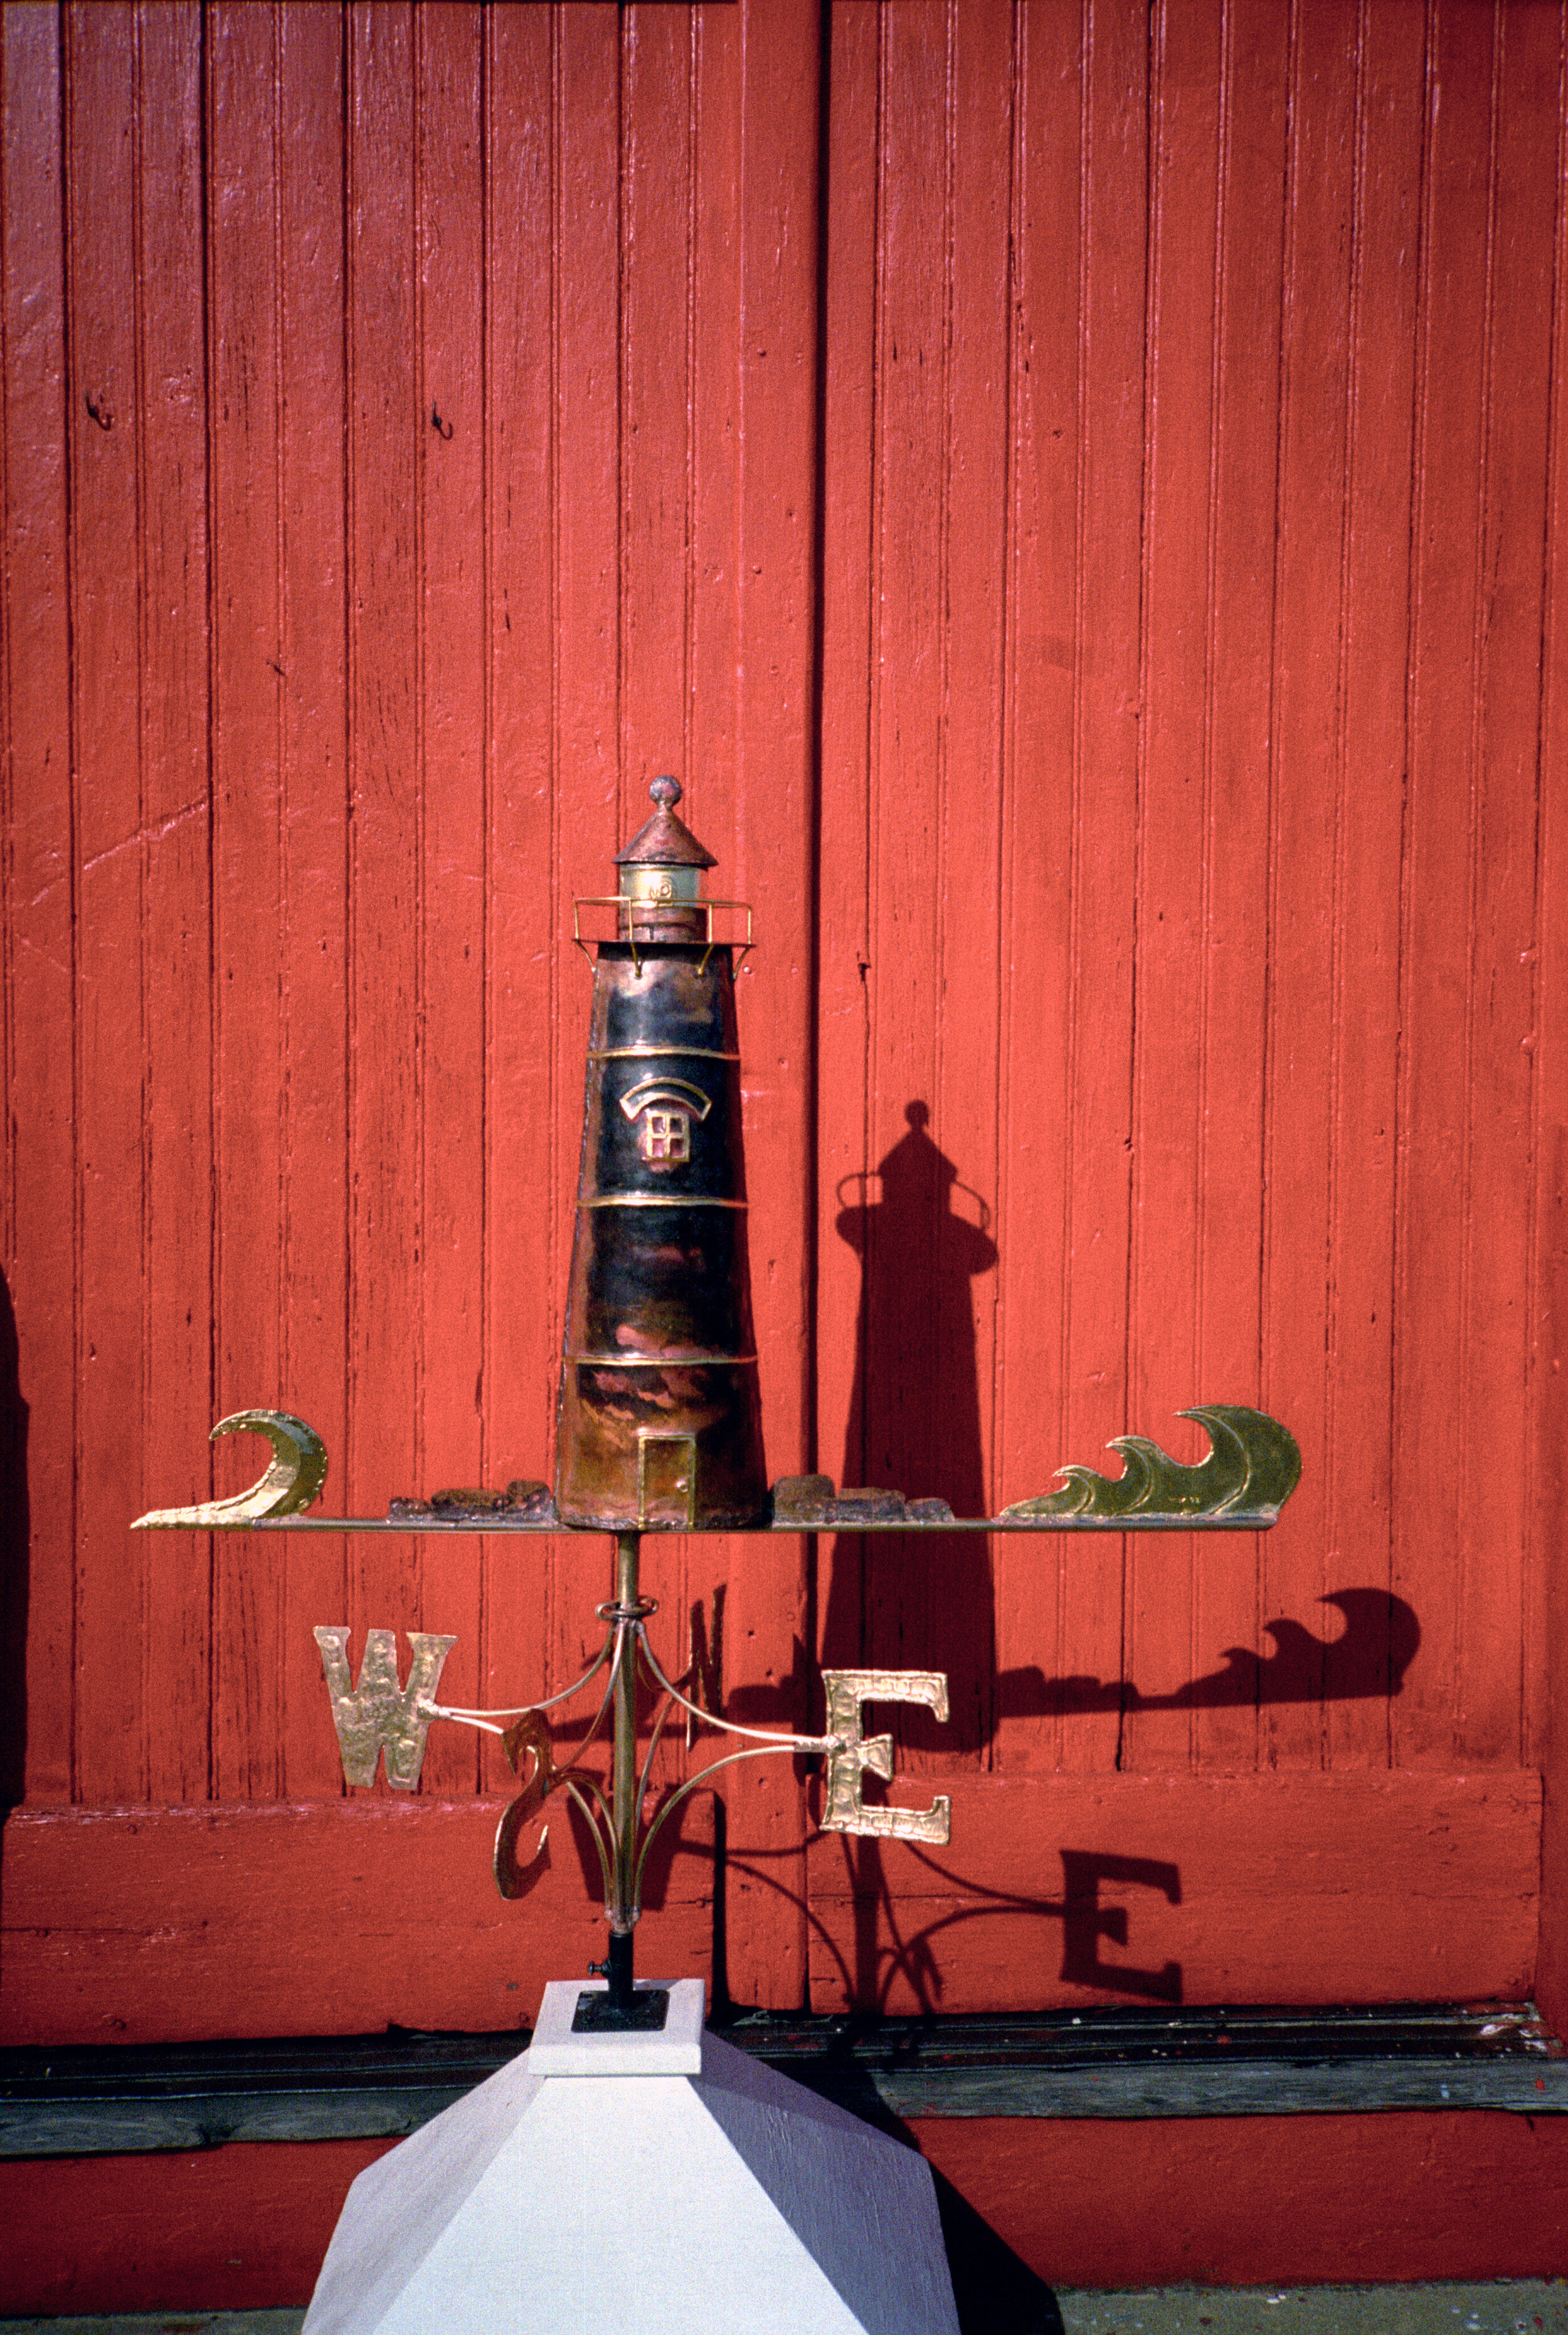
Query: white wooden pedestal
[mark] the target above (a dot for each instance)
(638, 2184)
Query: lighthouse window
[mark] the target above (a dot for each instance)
(666, 1135)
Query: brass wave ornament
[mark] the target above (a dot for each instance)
(293, 1480)
(1252, 1467)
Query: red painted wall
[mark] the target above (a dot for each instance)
(1076, 496)
(1096, 2204)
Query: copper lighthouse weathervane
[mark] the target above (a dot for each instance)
(659, 1431)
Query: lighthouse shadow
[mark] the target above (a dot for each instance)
(925, 1602)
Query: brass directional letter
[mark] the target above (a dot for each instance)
(846, 1811)
(380, 1715)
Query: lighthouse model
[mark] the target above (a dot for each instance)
(629, 2172)
(660, 1422)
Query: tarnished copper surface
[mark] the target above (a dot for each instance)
(665, 841)
(661, 872)
(660, 1418)
(810, 1503)
(524, 1501)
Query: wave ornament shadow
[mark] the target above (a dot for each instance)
(1381, 1638)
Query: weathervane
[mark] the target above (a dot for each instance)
(659, 1431)
(630, 2168)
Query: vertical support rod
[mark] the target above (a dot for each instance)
(625, 1787)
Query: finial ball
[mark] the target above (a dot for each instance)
(666, 792)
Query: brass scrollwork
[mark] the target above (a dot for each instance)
(528, 1736)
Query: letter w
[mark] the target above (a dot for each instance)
(379, 1715)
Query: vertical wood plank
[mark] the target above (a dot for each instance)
(1234, 941)
(451, 782)
(1160, 1616)
(591, 817)
(1435, 935)
(526, 1202)
(852, 229)
(388, 1038)
(172, 401)
(1298, 891)
(314, 838)
(1466, 1006)
(1107, 714)
(855, 228)
(962, 1298)
(1370, 750)
(658, 135)
(248, 877)
(1076, 620)
(1053, 153)
(657, 131)
(709, 555)
(925, 1608)
(774, 599)
(40, 895)
(108, 605)
(761, 1894)
(1549, 1295)
(1493, 1516)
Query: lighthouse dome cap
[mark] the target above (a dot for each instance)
(664, 841)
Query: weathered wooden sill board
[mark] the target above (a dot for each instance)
(339, 1917)
(159, 1925)
(1191, 2063)
(1289, 1887)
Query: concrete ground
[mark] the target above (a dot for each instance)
(1508, 2307)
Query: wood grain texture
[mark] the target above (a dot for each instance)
(40, 947)
(388, 899)
(757, 584)
(1173, 854)
(1358, 1142)
(1466, 1008)
(217, 2094)
(1547, 1616)
(129, 1925)
(1070, 1890)
(111, 1748)
(248, 1001)
(1211, 1001)
(1072, 732)
(1072, 494)
(314, 732)
(449, 787)
(176, 827)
